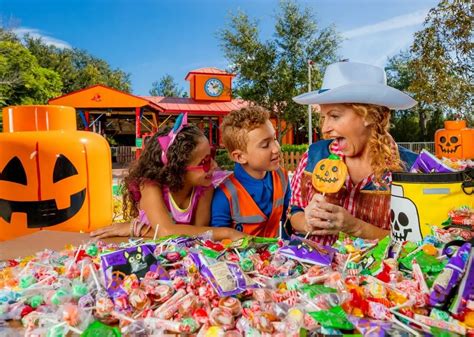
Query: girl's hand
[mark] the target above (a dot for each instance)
(116, 229)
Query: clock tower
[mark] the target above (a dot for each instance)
(210, 84)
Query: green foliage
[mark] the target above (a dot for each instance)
(272, 72)
(223, 160)
(294, 148)
(24, 81)
(442, 63)
(167, 87)
(77, 68)
(437, 71)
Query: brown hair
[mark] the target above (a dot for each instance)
(150, 169)
(380, 143)
(238, 123)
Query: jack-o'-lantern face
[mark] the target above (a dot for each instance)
(449, 144)
(455, 141)
(51, 175)
(329, 174)
(40, 213)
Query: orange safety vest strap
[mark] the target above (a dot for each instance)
(245, 211)
(237, 216)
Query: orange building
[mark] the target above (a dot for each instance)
(127, 117)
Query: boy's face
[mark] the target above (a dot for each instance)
(263, 151)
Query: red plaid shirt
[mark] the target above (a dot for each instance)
(348, 199)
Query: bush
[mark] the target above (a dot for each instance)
(294, 148)
(223, 160)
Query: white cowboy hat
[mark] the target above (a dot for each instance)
(351, 82)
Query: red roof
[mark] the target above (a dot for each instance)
(179, 104)
(208, 71)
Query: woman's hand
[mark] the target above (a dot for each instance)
(324, 218)
(116, 229)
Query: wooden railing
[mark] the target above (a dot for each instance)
(291, 160)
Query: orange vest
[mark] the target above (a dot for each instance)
(246, 215)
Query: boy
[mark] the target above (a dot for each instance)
(253, 199)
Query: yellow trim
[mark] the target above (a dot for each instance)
(182, 210)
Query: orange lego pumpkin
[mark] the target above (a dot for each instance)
(329, 174)
(454, 141)
(51, 175)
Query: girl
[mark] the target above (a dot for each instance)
(171, 183)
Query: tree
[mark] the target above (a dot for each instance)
(442, 63)
(78, 69)
(272, 72)
(28, 82)
(167, 87)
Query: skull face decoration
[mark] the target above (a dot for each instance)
(404, 218)
(449, 146)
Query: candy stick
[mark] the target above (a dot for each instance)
(156, 232)
(79, 332)
(415, 251)
(97, 284)
(75, 258)
(411, 320)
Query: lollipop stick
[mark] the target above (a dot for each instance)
(156, 232)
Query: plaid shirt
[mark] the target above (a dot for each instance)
(349, 199)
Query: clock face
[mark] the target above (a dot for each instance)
(214, 87)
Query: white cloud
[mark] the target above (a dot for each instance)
(375, 43)
(398, 22)
(35, 33)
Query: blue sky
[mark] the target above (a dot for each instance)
(151, 38)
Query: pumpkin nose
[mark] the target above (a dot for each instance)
(448, 144)
(326, 173)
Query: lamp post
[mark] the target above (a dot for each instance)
(310, 122)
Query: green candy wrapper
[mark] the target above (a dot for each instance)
(334, 318)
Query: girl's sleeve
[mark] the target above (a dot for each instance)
(297, 203)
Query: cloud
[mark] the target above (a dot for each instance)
(377, 42)
(36, 33)
(398, 22)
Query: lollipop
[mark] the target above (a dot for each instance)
(329, 174)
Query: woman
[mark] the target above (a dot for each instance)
(354, 105)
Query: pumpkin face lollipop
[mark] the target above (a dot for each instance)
(329, 174)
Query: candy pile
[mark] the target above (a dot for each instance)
(253, 287)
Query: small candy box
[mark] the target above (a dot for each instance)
(120, 264)
(309, 252)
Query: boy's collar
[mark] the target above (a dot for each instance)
(241, 172)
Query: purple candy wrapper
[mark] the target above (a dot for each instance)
(370, 328)
(226, 278)
(428, 163)
(450, 276)
(307, 251)
(136, 260)
(466, 288)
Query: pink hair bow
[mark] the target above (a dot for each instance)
(166, 141)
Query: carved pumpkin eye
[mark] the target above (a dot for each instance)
(63, 169)
(334, 169)
(322, 167)
(14, 172)
(442, 139)
(454, 139)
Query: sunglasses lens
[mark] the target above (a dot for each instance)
(206, 165)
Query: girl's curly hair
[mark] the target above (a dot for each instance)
(150, 169)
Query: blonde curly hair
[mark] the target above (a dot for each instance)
(383, 152)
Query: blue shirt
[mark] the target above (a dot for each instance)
(261, 191)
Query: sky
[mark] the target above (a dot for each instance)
(151, 38)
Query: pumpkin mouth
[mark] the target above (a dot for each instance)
(449, 150)
(43, 213)
(326, 180)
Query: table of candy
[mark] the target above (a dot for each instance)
(251, 287)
